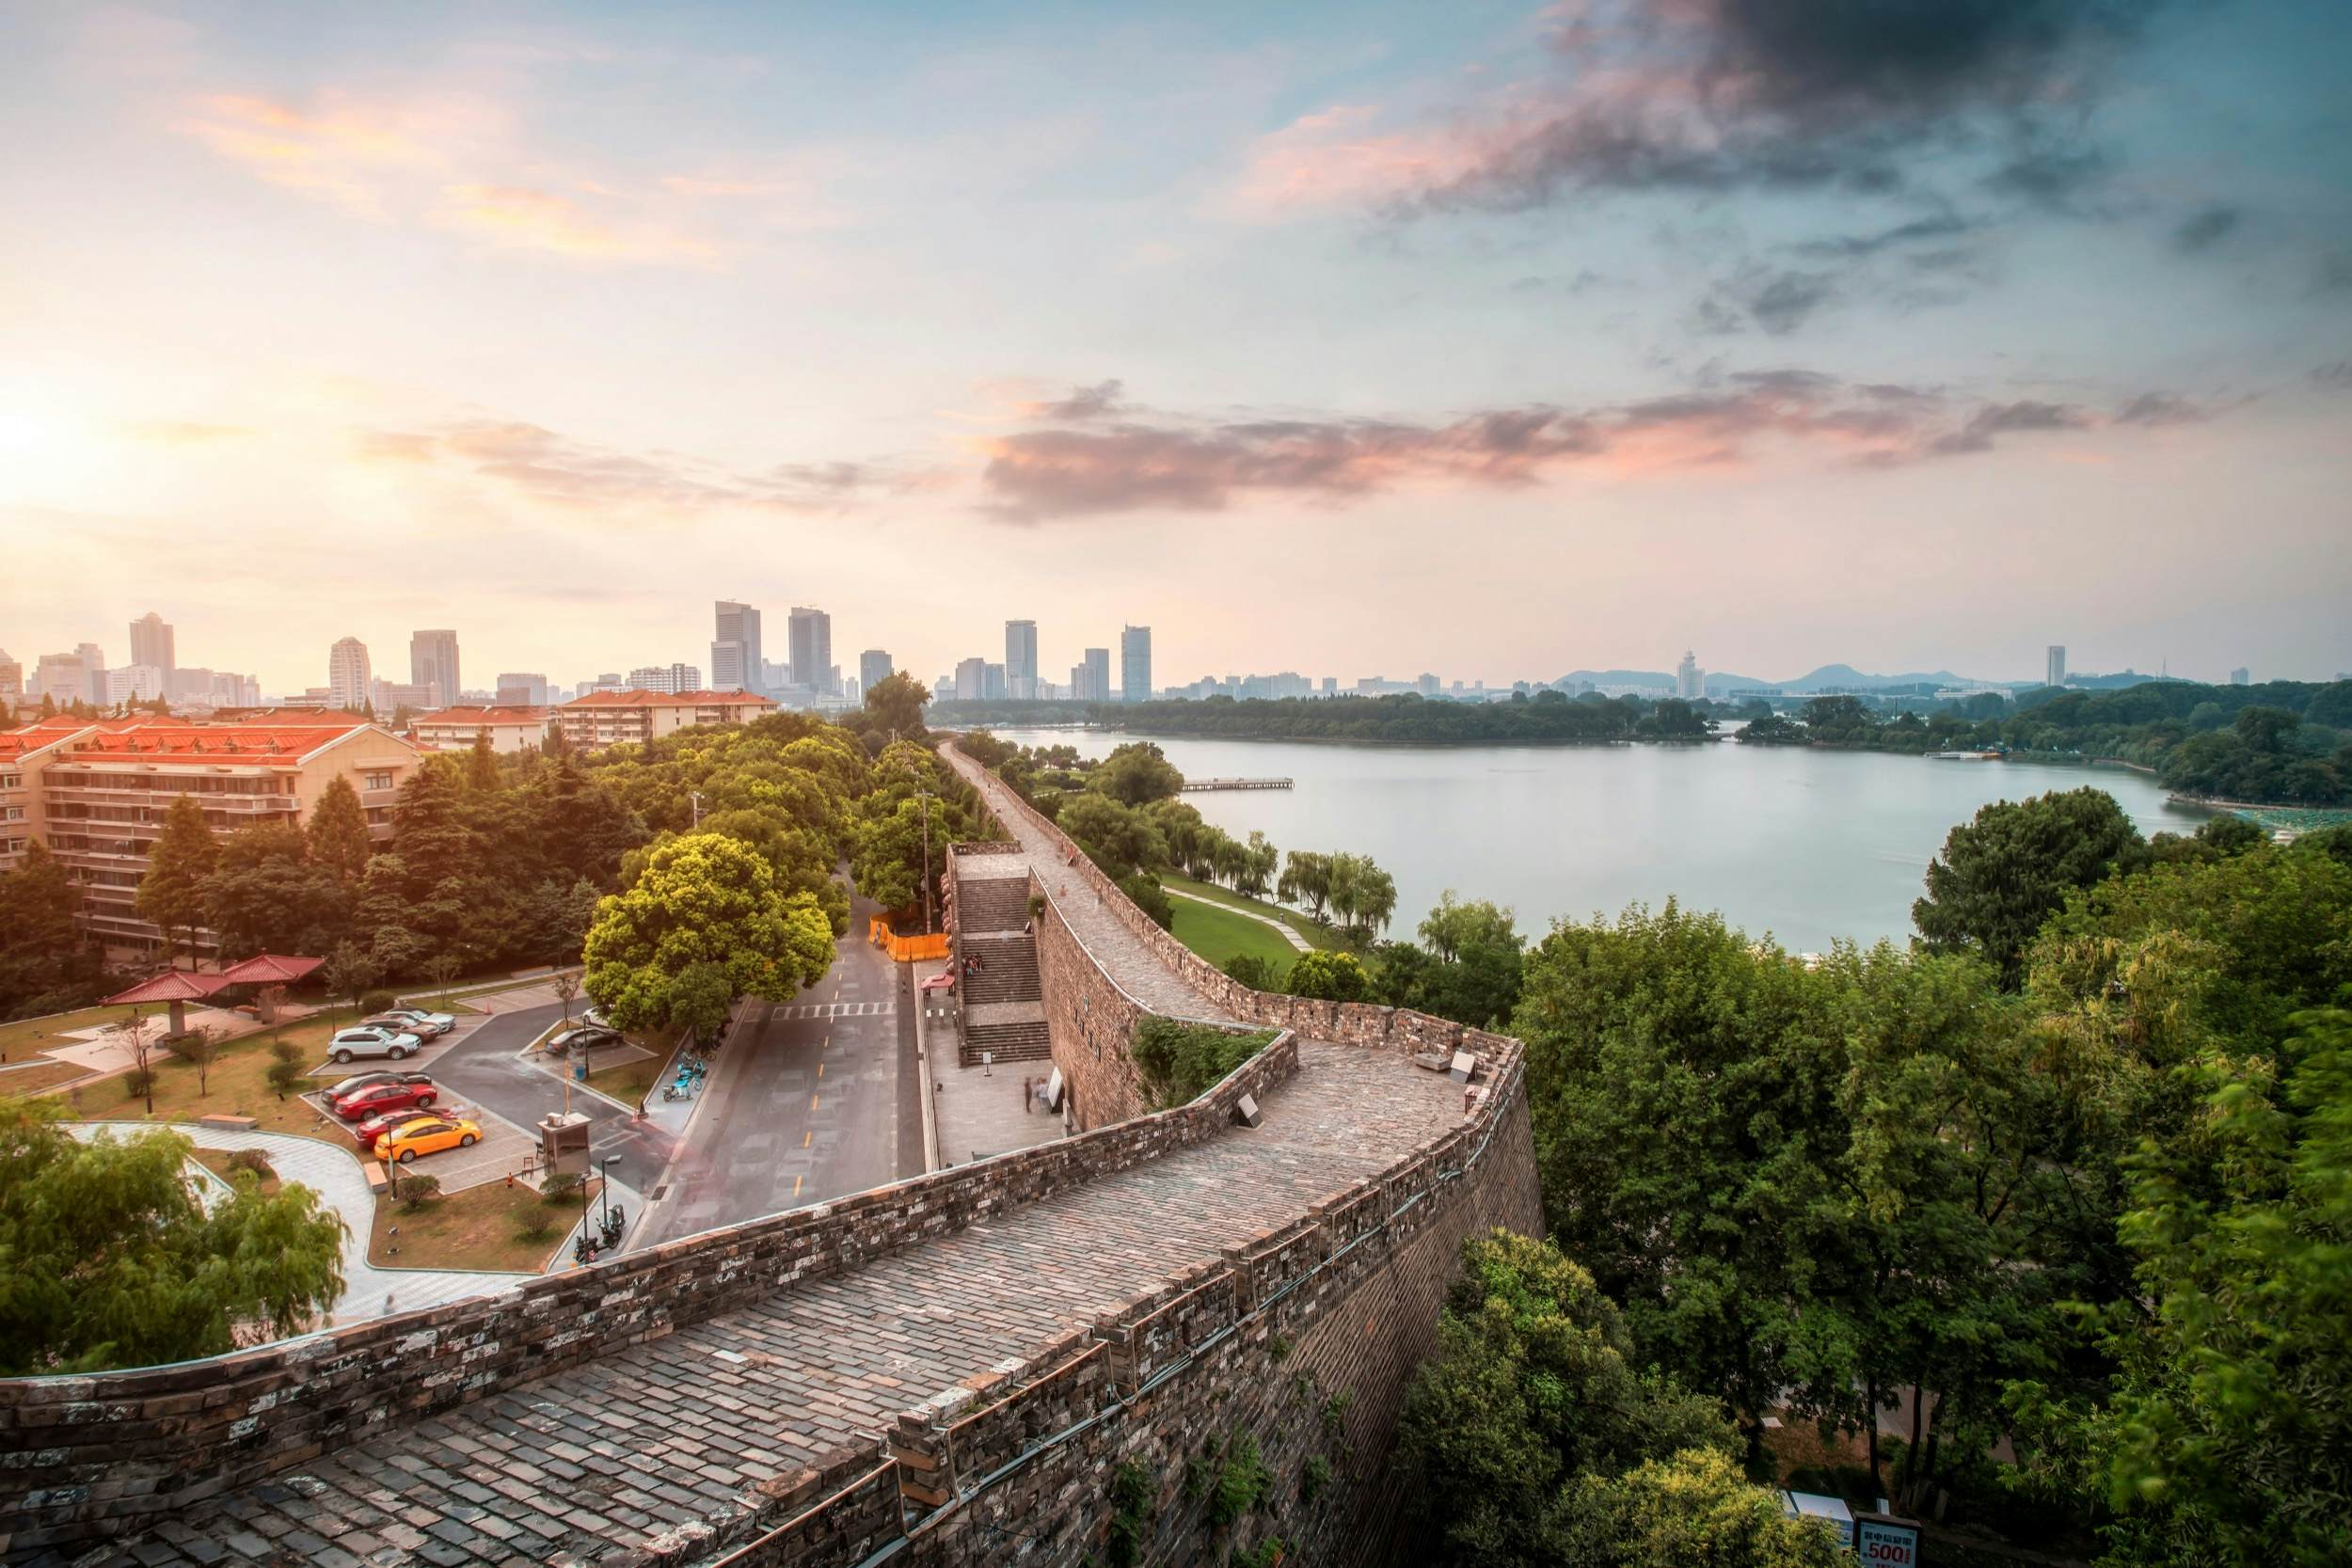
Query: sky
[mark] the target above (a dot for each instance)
(1492, 340)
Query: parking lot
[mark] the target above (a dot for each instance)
(505, 1150)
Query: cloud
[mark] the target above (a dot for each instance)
(342, 150)
(547, 467)
(2336, 374)
(183, 432)
(1200, 466)
(1097, 402)
(2206, 228)
(517, 218)
(1779, 302)
(1941, 227)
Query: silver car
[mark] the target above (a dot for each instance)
(351, 1044)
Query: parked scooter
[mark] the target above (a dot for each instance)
(584, 1249)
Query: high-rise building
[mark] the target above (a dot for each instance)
(1135, 664)
(735, 647)
(347, 674)
(811, 642)
(873, 668)
(2057, 675)
(991, 683)
(151, 644)
(61, 678)
(93, 672)
(671, 678)
(433, 664)
(2241, 676)
(1690, 680)
(11, 679)
(1021, 661)
(520, 689)
(971, 680)
(133, 683)
(1090, 678)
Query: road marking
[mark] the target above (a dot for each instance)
(804, 1138)
(796, 1186)
(820, 1066)
(812, 1103)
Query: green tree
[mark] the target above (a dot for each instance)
(41, 950)
(705, 904)
(349, 970)
(1330, 976)
(482, 764)
(2004, 873)
(339, 831)
(897, 704)
(1772, 729)
(1838, 721)
(1533, 1389)
(1690, 1508)
(267, 895)
(1306, 881)
(112, 1262)
(1453, 926)
(1182, 1061)
(1137, 774)
(1119, 834)
(171, 894)
(1362, 894)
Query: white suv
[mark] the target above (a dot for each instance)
(350, 1044)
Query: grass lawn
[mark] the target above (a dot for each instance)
(631, 1082)
(1317, 936)
(1220, 934)
(237, 1082)
(35, 1034)
(38, 1075)
(217, 1161)
(478, 1228)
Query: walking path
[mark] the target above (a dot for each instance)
(369, 1292)
(1290, 933)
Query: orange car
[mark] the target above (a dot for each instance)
(429, 1135)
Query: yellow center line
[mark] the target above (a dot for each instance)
(820, 1070)
(804, 1138)
(812, 1103)
(796, 1186)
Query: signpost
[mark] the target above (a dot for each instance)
(1884, 1541)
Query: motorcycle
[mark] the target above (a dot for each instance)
(584, 1249)
(615, 1221)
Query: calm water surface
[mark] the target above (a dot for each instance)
(1806, 845)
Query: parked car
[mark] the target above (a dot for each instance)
(376, 1098)
(423, 1022)
(581, 1036)
(364, 1042)
(361, 1080)
(389, 1122)
(404, 1143)
(399, 1023)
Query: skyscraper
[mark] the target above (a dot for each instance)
(93, 672)
(971, 679)
(433, 664)
(735, 647)
(1097, 685)
(873, 668)
(151, 643)
(811, 638)
(1021, 661)
(2058, 665)
(1135, 664)
(2241, 676)
(347, 674)
(1690, 680)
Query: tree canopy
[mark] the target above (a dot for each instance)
(704, 919)
(2004, 873)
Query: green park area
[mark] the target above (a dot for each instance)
(514, 1229)
(234, 1081)
(1221, 935)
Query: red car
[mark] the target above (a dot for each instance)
(376, 1098)
(376, 1126)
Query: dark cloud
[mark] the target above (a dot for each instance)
(1097, 402)
(1204, 466)
(2206, 228)
(1778, 302)
(2054, 178)
(1944, 226)
(2337, 374)
(1718, 94)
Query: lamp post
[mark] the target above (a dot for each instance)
(604, 1183)
(926, 796)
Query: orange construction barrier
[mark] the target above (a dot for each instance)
(906, 949)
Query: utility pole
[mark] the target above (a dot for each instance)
(927, 860)
(695, 796)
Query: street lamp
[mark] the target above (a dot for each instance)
(602, 1169)
(926, 796)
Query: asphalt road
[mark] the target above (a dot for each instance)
(483, 1068)
(809, 1099)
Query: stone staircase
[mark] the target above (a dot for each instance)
(1008, 970)
(987, 905)
(1024, 1041)
(1004, 1005)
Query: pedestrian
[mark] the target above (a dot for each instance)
(1027, 1094)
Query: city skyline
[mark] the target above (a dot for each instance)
(1362, 358)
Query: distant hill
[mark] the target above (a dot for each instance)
(1720, 682)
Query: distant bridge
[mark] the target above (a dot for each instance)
(1191, 784)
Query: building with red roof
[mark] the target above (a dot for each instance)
(603, 719)
(510, 729)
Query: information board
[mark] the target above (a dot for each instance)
(1886, 1542)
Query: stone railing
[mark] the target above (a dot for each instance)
(92, 1454)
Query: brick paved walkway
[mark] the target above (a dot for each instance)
(678, 1431)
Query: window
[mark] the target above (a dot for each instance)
(377, 777)
(11, 813)
(11, 780)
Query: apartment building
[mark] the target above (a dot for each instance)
(604, 719)
(511, 729)
(97, 792)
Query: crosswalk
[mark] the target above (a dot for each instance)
(834, 1009)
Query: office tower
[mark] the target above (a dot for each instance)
(93, 672)
(992, 685)
(61, 678)
(133, 683)
(811, 642)
(1690, 680)
(971, 680)
(774, 674)
(2241, 676)
(151, 643)
(347, 674)
(1135, 664)
(522, 689)
(433, 664)
(1021, 661)
(1097, 685)
(2058, 665)
(735, 647)
(873, 668)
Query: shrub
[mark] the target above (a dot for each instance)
(1180, 1060)
(1131, 1514)
(285, 1076)
(535, 1226)
(1144, 889)
(286, 1050)
(1314, 1477)
(1036, 904)
(562, 1187)
(376, 1001)
(1240, 1484)
(253, 1160)
(1270, 1551)
(415, 1192)
(1254, 972)
(137, 1082)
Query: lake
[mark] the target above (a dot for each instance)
(1806, 846)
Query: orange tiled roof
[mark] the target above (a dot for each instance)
(666, 699)
(481, 716)
(186, 745)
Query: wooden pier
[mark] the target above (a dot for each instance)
(1191, 784)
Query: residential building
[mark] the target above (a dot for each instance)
(971, 679)
(93, 670)
(2241, 676)
(1135, 664)
(1021, 661)
(511, 728)
(810, 639)
(433, 663)
(133, 683)
(347, 674)
(993, 683)
(61, 678)
(1690, 680)
(2058, 665)
(604, 719)
(1096, 685)
(524, 689)
(873, 668)
(11, 679)
(97, 792)
(151, 644)
(390, 697)
(735, 646)
(1331, 686)
(669, 678)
